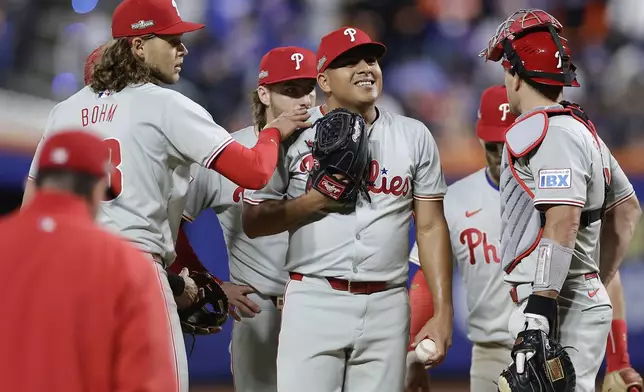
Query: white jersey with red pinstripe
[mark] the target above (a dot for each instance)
(154, 135)
(567, 168)
(257, 262)
(372, 243)
(472, 207)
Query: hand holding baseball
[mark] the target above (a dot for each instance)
(436, 338)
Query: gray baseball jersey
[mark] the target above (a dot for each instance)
(255, 262)
(154, 134)
(472, 211)
(568, 168)
(371, 243)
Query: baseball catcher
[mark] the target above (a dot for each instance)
(209, 314)
(340, 157)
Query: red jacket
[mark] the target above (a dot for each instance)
(82, 310)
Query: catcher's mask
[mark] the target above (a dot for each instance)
(530, 44)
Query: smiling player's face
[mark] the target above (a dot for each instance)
(291, 94)
(165, 55)
(355, 77)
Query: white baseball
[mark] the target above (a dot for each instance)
(425, 350)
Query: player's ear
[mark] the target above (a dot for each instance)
(323, 82)
(516, 82)
(137, 47)
(264, 95)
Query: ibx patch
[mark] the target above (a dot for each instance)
(554, 178)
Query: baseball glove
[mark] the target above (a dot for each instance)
(340, 152)
(548, 370)
(209, 314)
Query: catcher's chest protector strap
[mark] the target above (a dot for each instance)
(521, 223)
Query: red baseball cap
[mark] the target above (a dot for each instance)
(286, 63)
(91, 60)
(342, 40)
(494, 115)
(78, 151)
(141, 17)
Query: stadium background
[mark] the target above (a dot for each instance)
(431, 73)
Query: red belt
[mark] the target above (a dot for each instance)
(351, 287)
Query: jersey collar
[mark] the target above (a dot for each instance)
(490, 181)
(59, 203)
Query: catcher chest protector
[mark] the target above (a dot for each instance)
(521, 223)
(340, 147)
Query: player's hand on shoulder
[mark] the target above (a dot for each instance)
(290, 120)
(238, 298)
(190, 293)
(439, 329)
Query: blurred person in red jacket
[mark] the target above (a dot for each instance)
(83, 310)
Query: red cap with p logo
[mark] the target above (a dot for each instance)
(286, 63)
(494, 115)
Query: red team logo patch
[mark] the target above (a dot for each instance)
(331, 188)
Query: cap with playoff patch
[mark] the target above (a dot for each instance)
(342, 40)
(134, 18)
(494, 115)
(77, 151)
(286, 63)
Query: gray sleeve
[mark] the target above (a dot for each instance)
(561, 169)
(276, 187)
(203, 192)
(429, 182)
(620, 187)
(194, 135)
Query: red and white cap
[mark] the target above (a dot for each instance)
(494, 115)
(286, 63)
(342, 40)
(91, 60)
(78, 151)
(134, 18)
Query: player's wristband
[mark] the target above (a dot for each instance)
(553, 263)
(542, 306)
(177, 284)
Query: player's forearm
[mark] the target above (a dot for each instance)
(435, 254)
(617, 232)
(555, 250)
(277, 216)
(250, 168)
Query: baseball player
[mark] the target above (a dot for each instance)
(345, 321)
(286, 79)
(556, 182)
(154, 135)
(67, 326)
(473, 217)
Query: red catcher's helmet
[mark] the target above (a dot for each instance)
(529, 42)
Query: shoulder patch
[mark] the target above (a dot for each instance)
(526, 134)
(554, 178)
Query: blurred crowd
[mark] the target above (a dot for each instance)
(432, 70)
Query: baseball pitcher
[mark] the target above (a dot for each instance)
(555, 185)
(345, 321)
(155, 134)
(473, 216)
(286, 80)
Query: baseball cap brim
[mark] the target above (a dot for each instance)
(491, 133)
(180, 28)
(375, 48)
